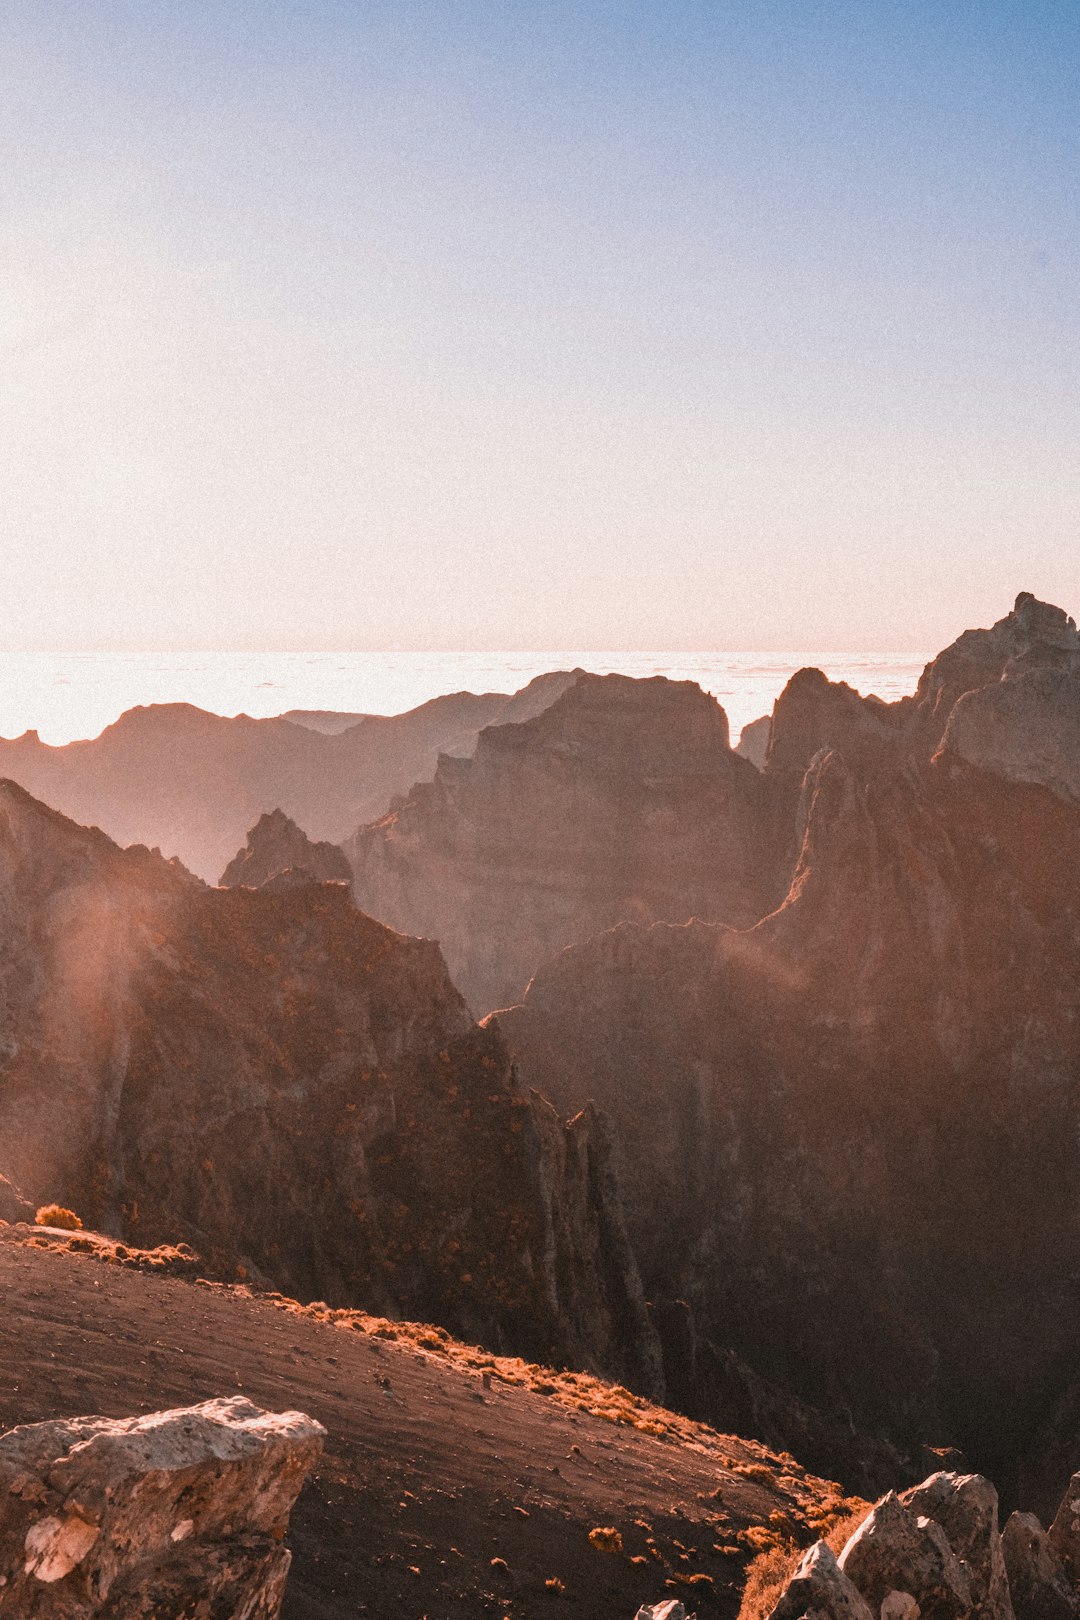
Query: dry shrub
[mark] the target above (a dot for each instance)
(771, 1570)
(57, 1215)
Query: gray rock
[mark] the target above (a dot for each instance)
(819, 1586)
(966, 1508)
(1037, 1581)
(179, 1513)
(896, 1550)
(1064, 1533)
(672, 1609)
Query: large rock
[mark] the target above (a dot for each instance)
(180, 1514)
(820, 1587)
(897, 1551)
(275, 846)
(1064, 1533)
(1039, 1587)
(966, 1508)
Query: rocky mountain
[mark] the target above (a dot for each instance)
(849, 1134)
(296, 1091)
(623, 799)
(276, 846)
(174, 777)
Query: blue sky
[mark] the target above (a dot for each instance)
(696, 325)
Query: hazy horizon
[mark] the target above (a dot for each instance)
(540, 326)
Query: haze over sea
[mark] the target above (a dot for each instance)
(65, 696)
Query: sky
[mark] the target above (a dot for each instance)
(730, 325)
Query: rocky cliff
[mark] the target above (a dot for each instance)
(623, 799)
(190, 783)
(849, 1133)
(297, 1091)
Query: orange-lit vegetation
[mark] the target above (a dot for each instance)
(57, 1215)
(770, 1571)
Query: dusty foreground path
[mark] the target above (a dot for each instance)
(434, 1468)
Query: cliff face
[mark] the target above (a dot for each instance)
(289, 1086)
(850, 1134)
(190, 783)
(623, 799)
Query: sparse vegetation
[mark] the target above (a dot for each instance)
(57, 1215)
(767, 1576)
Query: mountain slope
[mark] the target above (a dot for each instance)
(439, 1461)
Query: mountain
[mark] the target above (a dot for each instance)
(300, 1094)
(850, 1134)
(622, 799)
(174, 777)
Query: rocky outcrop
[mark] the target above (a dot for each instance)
(297, 1092)
(13, 1207)
(174, 777)
(895, 1550)
(819, 1586)
(965, 1506)
(276, 845)
(181, 1513)
(622, 799)
(935, 1551)
(1064, 1534)
(1038, 1585)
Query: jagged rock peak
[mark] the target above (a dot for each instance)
(1034, 635)
(276, 845)
(179, 1512)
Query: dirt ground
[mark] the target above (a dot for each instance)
(445, 1490)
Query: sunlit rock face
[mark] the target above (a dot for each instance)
(850, 1135)
(621, 800)
(294, 1089)
(178, 1513)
